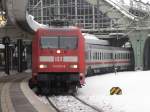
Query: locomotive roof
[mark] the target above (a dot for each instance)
(63, 28)
(59, 29)
(92, 39)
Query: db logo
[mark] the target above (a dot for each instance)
(58, 59)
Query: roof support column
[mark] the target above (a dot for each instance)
(93, 11)
(137, 39)
(42, 11)
(76, 12)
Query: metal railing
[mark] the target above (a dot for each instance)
(80, 12)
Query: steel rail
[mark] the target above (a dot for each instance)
(93, 107)
(50, 102)
(76, 99)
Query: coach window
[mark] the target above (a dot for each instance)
(111, 56)
(93, 56)
(87, 55)
(90, 55)
(107, 55)
(96, 56)
(100, 56)
(103, 55)
(128, 55)
(120, 55)
(124, 55)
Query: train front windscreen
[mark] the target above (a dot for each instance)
(59, 42)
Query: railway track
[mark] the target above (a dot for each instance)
(12, 99)
(70, 103)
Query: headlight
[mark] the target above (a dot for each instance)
(73, 66)
(43, 66)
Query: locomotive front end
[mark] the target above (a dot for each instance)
(59, 58)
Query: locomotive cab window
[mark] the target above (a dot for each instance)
(59, 42)
(49, 42)
(68, 42)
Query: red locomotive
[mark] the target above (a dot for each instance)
(58, 58)
(61, 56)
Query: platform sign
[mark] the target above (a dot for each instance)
(115, 90)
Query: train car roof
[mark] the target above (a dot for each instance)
(92, 39)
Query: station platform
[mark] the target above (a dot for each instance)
(16, 96)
